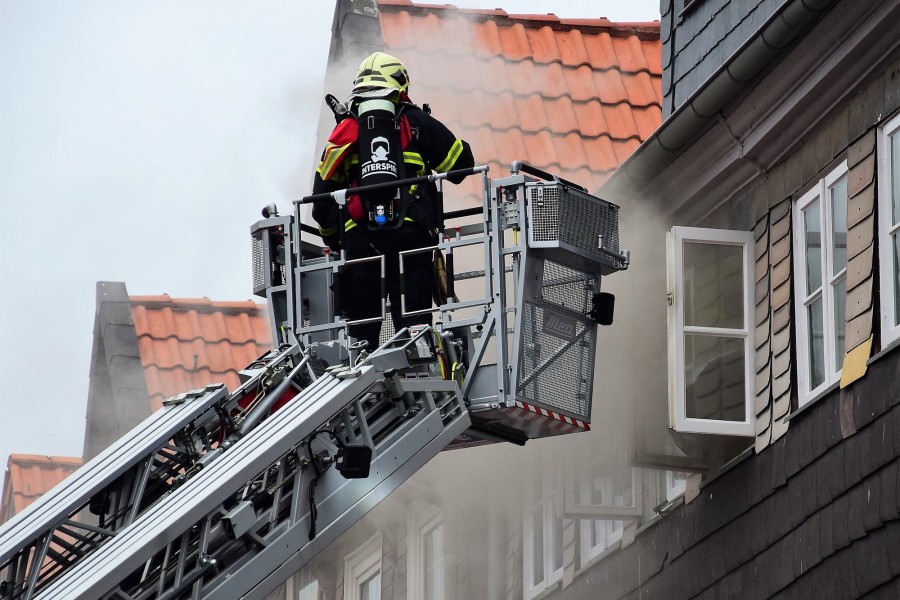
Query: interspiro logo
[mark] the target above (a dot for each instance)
(381, 158)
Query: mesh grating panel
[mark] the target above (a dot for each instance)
(544, 213)
(387, 327)
(574, 218)
(257, 262)
(268, 268)
(567, 287)
(556, 372)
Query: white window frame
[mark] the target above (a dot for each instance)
(889, 271)
(676, 484)
(302, 586)
(578, 503)
(609, 530)
(423, 520)
(677, 238)
(309, 592)
(297, 590)
(361, 565)
(546, 496)
(833, 364)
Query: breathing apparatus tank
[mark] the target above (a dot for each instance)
(379, 146)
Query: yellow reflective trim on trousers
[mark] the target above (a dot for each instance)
(327, 230)
(455, 150)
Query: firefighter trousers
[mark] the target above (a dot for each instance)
(360, 290)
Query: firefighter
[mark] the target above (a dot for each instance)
(381, 136)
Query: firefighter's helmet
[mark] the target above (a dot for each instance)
(380, 75)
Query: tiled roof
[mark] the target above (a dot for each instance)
(28, 476)
(571, 96)
(189, 343)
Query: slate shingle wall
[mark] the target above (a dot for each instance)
(814, 512)
(695, 44)
(813, 516)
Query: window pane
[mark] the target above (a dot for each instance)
(310, 591)
(596, 537)
(895, 175)
(812, 220)
(840, 302)
(816, 343)
(675, 484)
(433, 576)
(428, 567)
(714, 378)
(896, 238)
(537, 544)
(597, 498)
(839, 224)
(713, 285)
(370, 589)
(557, 535)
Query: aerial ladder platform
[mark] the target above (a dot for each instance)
(226, 494)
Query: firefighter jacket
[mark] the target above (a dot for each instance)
(427, 146)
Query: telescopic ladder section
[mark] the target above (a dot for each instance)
(111, 491)
(223, 495)
(262, 509)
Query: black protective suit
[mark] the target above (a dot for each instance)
(427, 146)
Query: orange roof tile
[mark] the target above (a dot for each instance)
(189, 343)
(29, 476)
(550, 92)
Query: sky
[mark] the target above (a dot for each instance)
(138, 143)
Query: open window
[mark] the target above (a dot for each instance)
(820, 283)
(889, 229)
(711, 331)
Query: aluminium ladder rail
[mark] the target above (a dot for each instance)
(241, 526)
(25, 540)
(53, 534)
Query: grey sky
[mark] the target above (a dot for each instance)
(138, 141)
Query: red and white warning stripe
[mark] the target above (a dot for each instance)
(533, 413)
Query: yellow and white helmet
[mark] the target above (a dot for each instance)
(380, 75)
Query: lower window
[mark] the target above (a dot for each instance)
(543, 535)
(362, 571)
(425, 553)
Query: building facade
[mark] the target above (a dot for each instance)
(753, 364)
(771, 184)
(745, 422)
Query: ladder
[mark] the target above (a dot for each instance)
(225, 495)
(265, 506)
(111, 491)
(37, 545)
